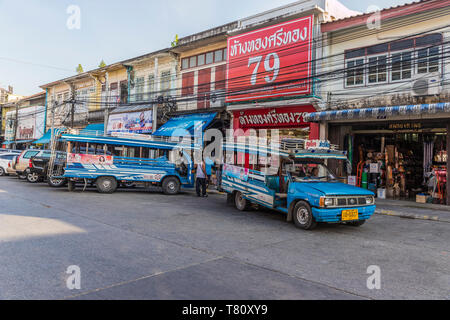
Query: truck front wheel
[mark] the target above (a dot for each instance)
(171, 186)
(303, 217)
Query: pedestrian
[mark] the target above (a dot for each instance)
(200, 181)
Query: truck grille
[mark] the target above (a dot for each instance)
(349, 201)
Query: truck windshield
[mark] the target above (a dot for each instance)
(310, 172)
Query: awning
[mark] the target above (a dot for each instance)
(374, 113)
(95, 129)
(179, 126)
(46, 138)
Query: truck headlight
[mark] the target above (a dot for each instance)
(370, 200)
(326, 202)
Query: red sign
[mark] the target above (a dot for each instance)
(283, 117)
(271, 62)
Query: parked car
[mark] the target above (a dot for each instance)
(38, 169)
(5, 160)
(10, 169)
(23, 161)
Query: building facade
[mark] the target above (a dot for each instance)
(387, 100)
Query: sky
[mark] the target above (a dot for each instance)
(37, 47)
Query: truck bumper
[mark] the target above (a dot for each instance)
(334, 215)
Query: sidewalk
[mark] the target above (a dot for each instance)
(413, 210)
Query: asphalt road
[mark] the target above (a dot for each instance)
(138, 244)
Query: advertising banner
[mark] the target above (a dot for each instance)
(136, 122)
(271, 62)
(30, 124)
(235, 171)
(89, 159)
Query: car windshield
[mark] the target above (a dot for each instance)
(310, 172)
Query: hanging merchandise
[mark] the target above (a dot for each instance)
(364, 180)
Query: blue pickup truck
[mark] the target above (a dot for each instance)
(302, 187)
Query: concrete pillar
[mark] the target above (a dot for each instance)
(448, 165)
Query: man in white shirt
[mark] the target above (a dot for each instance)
(200, 181)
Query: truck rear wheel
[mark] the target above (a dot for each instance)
(106, 184)
(171, 186)
(303, 217)
(240, 202)
(56, 182)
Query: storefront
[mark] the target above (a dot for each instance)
(397, 152)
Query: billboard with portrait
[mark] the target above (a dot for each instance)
(136, 122)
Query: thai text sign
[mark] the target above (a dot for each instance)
(282, 117)
(89, 159)
(271, 62)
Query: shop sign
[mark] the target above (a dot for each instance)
(136, 122)
(317, 144)
(89, 159)
(405, 126)
(270, 62)
(284, 117)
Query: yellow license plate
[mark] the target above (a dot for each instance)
(349, 215)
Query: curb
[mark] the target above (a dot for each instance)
(411, 216)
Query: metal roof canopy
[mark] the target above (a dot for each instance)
(374, 113)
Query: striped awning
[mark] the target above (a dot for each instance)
(374, 113)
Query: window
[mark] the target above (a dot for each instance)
(187, 84)
(204, 59)
(201, 60)
(193, 62)
(209, 57)
(377, 71)
(165, 82)
(220, 77)
(139, 89)
(428, 60)
(151, 86)
(218, 56)
(30, 154)
(401, 66)
(355, 72)
(185, 63)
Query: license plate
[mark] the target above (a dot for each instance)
(349, 215)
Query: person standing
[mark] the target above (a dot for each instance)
(200, 181)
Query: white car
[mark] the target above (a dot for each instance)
(6, 158)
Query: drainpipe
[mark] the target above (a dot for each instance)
(129, 69)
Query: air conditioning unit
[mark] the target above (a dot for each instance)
(426, 84)
(217, 98)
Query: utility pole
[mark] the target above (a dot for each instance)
(73, 108)
(106, 117)
(16, 124)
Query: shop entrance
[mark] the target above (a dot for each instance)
(406, 161)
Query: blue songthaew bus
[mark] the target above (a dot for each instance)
(107, 162)
(293, 178)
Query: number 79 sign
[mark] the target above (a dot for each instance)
(271, 62)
